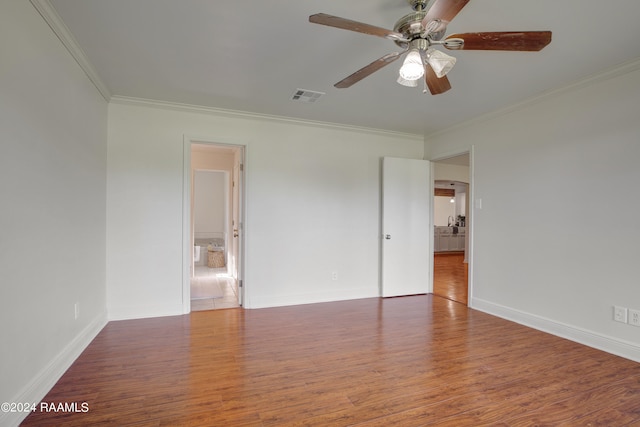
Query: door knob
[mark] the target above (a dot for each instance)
(387, 236)
(235, 232)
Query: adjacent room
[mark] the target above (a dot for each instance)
(221, 213)
(214, 218)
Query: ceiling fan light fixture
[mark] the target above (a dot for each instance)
(407, 83)
(440, 62)
(412, 69)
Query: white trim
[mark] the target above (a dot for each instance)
(432, 214)
(186, 225)
(471, 226)
(44, 380)
(268, 301)
(199, 109)
(145, 311)
(49, 14)
(601, 342)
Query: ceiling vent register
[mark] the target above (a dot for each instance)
(307, 96)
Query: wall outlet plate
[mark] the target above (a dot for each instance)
(619, 314)
(634, 317)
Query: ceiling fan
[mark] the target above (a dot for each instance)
(417, 33)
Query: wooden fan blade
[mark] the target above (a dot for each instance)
(444, 10)
(368, 70)
(359, 27)
(436, 85)
(530, 41)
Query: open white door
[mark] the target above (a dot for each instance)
(405, 226)
(237, 225)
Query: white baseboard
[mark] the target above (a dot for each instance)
(143, 312)
(44, 380)
(287, 300)
(588, 338)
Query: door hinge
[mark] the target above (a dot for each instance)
(239, 283)
(241, 167)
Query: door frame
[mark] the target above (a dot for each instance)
(472, 208)
(187, 235)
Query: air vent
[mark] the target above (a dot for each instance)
(308, 96)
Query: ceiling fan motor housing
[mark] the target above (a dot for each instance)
(410, 25)
(419, 5)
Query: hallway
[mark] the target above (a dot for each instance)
(451, 276)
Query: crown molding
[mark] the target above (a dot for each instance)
(616, 71)
(175, 106)
(49, 14)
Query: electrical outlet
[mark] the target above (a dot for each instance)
(76, 310)
(334, 275)
(619, 314)
(634, 317)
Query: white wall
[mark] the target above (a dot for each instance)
(312, 200)
(447, 172)
(53, 126)
(545, 251)
(211, 157)
(210, 203)
(443, 209)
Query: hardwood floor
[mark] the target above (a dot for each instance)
(409, 361)
(451, 276)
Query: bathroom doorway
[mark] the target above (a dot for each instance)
(215, 279)
(451, 228)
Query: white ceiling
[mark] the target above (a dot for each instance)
(252, 56)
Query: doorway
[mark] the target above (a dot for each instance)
(214, 183)
(451, 228)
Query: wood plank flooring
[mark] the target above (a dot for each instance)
(410, 361)
(451, 276)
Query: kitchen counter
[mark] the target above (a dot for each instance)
(448, 239)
